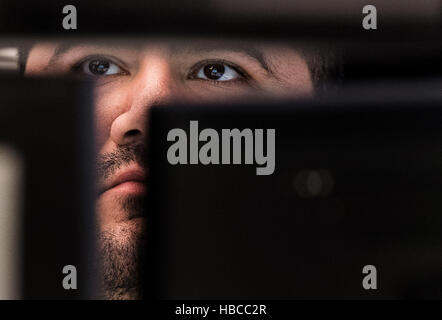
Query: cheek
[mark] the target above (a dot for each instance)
(296, 84)
(109, 102)
(292, 73)
(205, 91)
(298, 78)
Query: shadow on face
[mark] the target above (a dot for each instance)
(129, 78)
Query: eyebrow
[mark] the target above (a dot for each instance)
(59, 51)
(250, 51)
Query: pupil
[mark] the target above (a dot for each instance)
(214, 71)
(98, 67)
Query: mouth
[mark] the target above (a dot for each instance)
(129, 181)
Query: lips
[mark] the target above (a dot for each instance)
(134, 176)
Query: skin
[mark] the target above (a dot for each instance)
(141, 76)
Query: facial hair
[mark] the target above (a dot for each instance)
(121, 249)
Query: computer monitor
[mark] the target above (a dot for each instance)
(352, 209)
(46, 178)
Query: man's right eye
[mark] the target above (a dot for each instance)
(99, 67)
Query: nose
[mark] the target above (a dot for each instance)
(150, 86)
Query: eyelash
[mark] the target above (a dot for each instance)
(79, 65)
(192, 74)
(195, 69)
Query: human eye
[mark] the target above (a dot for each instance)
(218, 71)
(98, 66)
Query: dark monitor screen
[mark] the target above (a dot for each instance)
(47, 185)
(353, 187)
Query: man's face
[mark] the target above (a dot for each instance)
(129, 80)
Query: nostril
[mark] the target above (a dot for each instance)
(132, 133)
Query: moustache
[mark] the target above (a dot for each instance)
(109, 162)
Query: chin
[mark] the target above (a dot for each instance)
(120, 210)
(122, 254)
(126, 231)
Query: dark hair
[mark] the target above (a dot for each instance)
(325, 64)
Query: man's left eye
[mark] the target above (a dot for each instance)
(217, 72)
(100, 67)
